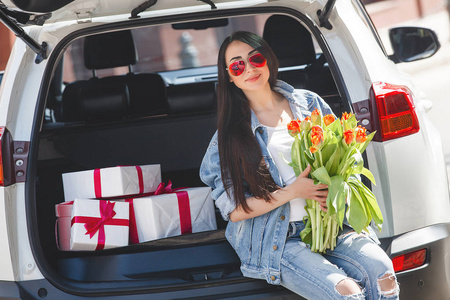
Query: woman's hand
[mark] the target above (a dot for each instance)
(304, 187)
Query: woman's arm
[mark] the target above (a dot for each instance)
(302, 187)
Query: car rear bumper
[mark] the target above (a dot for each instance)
(429, 281)
(246, 289)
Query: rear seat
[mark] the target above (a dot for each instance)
(146, 92)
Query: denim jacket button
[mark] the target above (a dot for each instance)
(275, 247)
(272, 278)
(282, 217)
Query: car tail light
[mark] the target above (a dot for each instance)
(396, 111)
(409, 260)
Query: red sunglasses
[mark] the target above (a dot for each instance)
(237, 68)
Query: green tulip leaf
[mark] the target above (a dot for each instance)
(369, 175)
(337, 195)
(356, 213)
(332, 165)
(336, 127)
(321, 174)
(371, 204)
(362, 147)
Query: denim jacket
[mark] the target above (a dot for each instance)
(259, 241)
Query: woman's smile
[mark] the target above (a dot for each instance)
(253, 78)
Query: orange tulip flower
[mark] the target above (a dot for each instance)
(316, 138)
(328, 119)
(361, 135)
(346, 116)
(349, 136)
(315, 117)
(294, 127)
(306, 124)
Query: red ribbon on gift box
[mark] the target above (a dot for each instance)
(95, 224)
(98, 182)
(184, 209)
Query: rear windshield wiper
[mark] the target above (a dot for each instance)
(142, 7)
(147, 4)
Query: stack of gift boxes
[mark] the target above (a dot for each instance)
(118, 206)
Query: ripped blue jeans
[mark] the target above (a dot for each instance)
(356, 256)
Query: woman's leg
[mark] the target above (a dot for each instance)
(312, 276)
(362, 259)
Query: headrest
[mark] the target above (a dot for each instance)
(95, 99)
(109, 50)
(104, 101)
(192, 98)
(148, 94)
(290, 40)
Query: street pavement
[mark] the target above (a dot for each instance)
(432, 75)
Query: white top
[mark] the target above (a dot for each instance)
(279, 145)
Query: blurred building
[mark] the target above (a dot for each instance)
(6, 41)
(390, 12)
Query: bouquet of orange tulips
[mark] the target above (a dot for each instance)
(333, 147)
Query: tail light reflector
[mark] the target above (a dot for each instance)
(410, 260)
(396, 111)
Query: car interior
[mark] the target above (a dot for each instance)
(115, 112)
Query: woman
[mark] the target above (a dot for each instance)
(258, 193)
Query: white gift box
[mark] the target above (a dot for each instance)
(160, 216)
(108, 221)
(111, 182)
(64, 214)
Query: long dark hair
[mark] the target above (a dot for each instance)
(241, 161)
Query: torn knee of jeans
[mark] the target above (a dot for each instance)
(362, 234)
(350, 288)
(387, 284)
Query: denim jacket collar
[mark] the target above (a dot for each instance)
(299, 106)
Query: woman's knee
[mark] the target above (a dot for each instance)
(387, 285)
(347, 287)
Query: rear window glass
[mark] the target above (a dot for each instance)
(367, 20)
(163, 48)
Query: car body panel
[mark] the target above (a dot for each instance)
(6, 263)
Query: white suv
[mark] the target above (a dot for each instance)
(93, 84)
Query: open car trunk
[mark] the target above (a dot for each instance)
(142, 110)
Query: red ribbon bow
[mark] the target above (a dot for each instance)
(162, 189)
(106, 213)
(94, 224)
